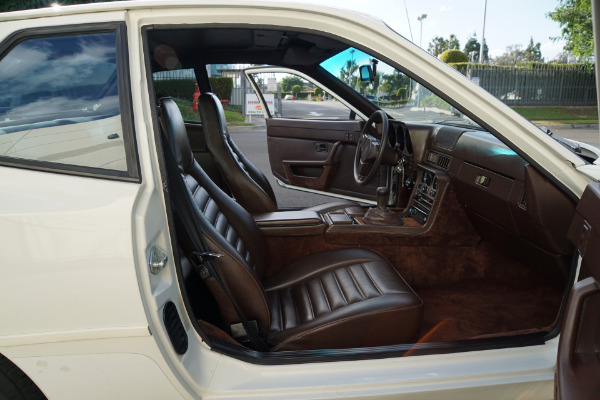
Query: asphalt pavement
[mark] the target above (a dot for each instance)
(252, 141)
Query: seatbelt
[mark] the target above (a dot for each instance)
(202, 259)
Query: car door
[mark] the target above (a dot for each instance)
(311, 134)
(578, 364)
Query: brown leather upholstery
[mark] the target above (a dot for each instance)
(332, 299)
(247, 183)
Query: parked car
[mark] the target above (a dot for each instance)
(146, 257)
(288, 97)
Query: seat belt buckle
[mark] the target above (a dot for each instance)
(238, 331)
(199, 258)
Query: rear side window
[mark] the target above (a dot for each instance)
(59, 102)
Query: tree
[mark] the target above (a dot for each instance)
(438, 44)
(533, 52)
(291, 80)
(575, 19)
(472, 48)
(515, 54)
(347, 72)
(296, 89)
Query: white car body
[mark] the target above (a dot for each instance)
(82, 314)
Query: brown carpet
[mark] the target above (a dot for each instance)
(477, 307)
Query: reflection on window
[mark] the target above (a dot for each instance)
(59, 102)
(396, 93)
(290, 96)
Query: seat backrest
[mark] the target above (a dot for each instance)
(227, 229)
(247, 183)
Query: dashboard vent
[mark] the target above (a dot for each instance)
(175, 328)
(441, 160)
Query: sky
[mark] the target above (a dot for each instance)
(508, 22)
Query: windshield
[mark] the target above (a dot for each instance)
(396, 93)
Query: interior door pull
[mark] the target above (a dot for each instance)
(321, 147)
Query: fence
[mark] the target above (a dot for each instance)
(540, 84)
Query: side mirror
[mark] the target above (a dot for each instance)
(366, 74)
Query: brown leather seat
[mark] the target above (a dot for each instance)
(248, 185)
(333, 299)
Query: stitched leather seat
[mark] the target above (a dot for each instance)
(247, 183)
(333, 299)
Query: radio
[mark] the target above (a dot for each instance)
(424, 197)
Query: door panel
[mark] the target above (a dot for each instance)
(318, 155)
(578, 364)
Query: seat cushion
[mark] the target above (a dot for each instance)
(339, 299)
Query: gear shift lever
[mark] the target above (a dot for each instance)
(382, 193)
(382, 215)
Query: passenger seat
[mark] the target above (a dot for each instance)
(333, 299)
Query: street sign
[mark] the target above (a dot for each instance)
(253, 106)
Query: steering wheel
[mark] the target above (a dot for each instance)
(370, 150)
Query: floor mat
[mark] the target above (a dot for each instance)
(481, 307)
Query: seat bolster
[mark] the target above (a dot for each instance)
(381, 321)
(315, 264)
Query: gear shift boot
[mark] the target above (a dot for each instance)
(382, 215)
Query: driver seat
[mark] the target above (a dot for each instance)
(248, 185)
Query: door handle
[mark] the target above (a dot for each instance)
(321, 147)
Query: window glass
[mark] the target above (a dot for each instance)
(59, 102)
(182, 87)
(393, 91)
(290, 96)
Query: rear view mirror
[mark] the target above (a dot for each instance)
(366, 74)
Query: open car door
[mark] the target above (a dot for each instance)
(578, 364)
(311, 137)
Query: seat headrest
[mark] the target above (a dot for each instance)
(212, 109)
(173, 125)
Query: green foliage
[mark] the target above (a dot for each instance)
(401, 93)
(514, 55)
(184, 88)
(318, 91)
(290, 81)
(222, 87)
(472, 48)
(463, 67)
(176, 88)
(453, 56)
(438, 45)
(575, 18)
(296, 89)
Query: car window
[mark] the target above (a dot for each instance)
(181, 85)
(393, 91)
(290, 96)
(59, 102)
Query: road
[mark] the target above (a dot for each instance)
(252, 141)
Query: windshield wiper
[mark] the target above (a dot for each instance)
(573, 146)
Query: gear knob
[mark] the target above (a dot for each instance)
(382, 193)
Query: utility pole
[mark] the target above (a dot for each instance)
(420, 19)
(482, 33)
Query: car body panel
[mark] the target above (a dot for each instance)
(115, 225)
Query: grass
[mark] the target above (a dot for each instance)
(189, 114)
(556, 115)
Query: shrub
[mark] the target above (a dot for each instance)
(296, 89)
(318, 91)
(401, 93)
(176, 88)
(222, 87)
(453, 56)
